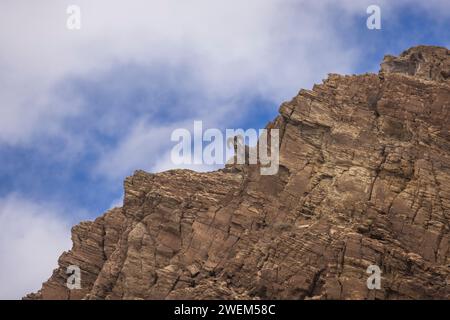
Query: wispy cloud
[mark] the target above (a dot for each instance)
(234, 46)
(32, 236)
(263, 47)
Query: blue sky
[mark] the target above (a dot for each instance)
(81, 110)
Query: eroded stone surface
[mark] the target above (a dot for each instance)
(364, 179)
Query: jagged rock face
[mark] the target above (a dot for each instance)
(363, 180)
(430, 63)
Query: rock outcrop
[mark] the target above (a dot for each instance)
(364, 180)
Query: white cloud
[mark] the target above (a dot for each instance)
(32, 236)
(116, 203)
(233, 46)
(269, 47)
(137, 150)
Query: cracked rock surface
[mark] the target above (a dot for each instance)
(364, 179)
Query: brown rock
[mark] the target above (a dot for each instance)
(363, 180)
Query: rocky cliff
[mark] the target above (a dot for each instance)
(364, 180)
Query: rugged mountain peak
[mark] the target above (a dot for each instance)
(363, 183)
(426, 62)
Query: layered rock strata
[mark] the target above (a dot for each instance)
(364, 180)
